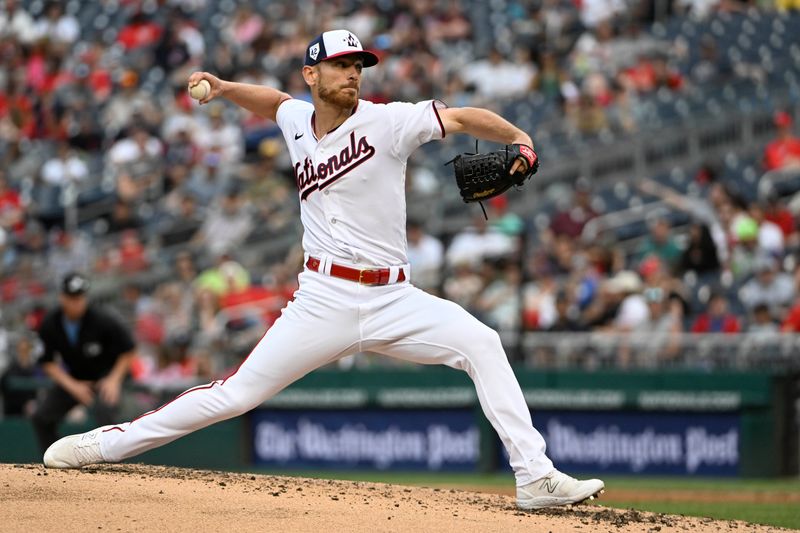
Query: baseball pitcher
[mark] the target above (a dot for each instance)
(355, 294)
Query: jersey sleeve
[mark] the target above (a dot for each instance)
(291, 111)
(415, 124)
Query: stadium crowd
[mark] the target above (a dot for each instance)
(108, 167)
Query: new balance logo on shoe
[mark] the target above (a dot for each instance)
(557, 489)
(550, 485)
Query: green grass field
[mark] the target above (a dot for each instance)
(729, 496)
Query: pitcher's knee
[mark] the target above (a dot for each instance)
(488, 340)
(483, 343)
(240, 401)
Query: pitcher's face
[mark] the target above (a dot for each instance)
(338, 81)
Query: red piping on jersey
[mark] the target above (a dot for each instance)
(314, 122)
(193, 389)
(436, 112)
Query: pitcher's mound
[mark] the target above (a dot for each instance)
(142, 498)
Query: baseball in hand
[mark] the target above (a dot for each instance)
(200, 90)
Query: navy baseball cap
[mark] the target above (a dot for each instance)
(337, 43)
(74, 284)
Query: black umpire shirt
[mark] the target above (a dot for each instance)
(101, 340)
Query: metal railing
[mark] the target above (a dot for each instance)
(643, 350)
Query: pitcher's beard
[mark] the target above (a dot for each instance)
(338, 98)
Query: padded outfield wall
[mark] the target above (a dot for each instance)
(665, 422)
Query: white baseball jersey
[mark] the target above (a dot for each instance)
(351, 182)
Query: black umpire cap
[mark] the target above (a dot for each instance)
(74, 284)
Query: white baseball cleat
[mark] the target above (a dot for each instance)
(557, 489)
(75, 451)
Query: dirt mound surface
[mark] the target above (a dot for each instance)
(142, 498)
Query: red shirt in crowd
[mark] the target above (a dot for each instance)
(706, 323)
(138, 34)
(782, 218)
(792, 321)
(780, 152)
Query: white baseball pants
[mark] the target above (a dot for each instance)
(328, 319)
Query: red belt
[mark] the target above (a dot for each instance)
(365, 276)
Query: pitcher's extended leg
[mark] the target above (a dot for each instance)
(315, 329)
(437, 331)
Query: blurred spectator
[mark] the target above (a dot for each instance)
(139, 32)
(125, 257)
(128, 106)
(661, 243)
(226, 226)
(136, 162)
(226, 275)
(661, 331)
(58, 173)
(502, 218)
(770, 235)
(15, 21)
(633, 311)
(497, 77)
(426, 256)
(716, 318)
(463, 284)
(132, 302)
(784, 151)
(244, 27)
(219, 140)
(791, 324)
(175, 367)
(181, 149)
(594, 12)
(5, 355)
(23, 283)
(762, 322)
(122, 218)
(769, 286)
(746, 251)
(586, 117)
(179, 227)
(539, 303)
(498, 304)
(69, 251)
(477, 242)
(19, 401)
(56, 25)
(776, 212)
(700, 255)
(6, 253)
(567, 316)
(570, 220)
(174, 308)
(208, 181)
(710, 64)
(185, 271)
(704, 210)
(12, 212)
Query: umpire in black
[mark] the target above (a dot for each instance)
(87, 354)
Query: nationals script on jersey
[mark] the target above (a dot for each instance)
(351, 182)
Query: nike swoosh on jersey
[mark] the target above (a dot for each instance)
(298, 135)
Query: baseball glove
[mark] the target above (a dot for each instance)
(483, 176)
